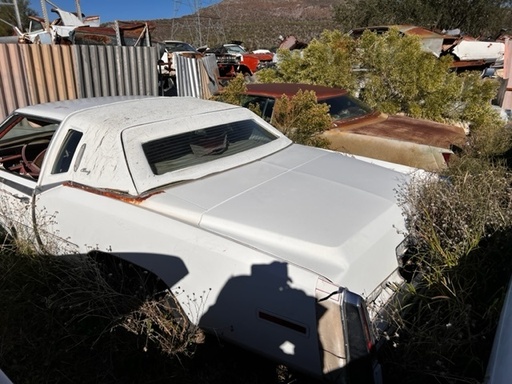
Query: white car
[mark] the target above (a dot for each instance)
(293, 251)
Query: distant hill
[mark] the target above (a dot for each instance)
(258, 23)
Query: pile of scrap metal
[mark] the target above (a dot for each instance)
(291, 43)
(467, 52)
(125, 33)
(75, 28)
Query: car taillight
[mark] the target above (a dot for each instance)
(358, 334)
(446, 156)
(362, 367)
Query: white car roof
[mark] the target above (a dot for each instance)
(59, 110)
(114, 134)
(130, 113)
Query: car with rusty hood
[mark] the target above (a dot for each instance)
(361, 130)
(290, 251)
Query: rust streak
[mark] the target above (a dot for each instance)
(111, 194)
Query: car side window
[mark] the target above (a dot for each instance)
(67, 151)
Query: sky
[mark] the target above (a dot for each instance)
(124, 10)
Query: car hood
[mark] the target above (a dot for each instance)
(260, 56)
(403, 128)
(321, 210)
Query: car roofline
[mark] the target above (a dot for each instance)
(276, 90)
(59, 110)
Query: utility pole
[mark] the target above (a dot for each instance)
(45, 15)
(16, 12)
(196, 21)
(78, 9)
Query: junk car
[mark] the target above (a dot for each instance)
(233, 58)
(361, 130)
(295, 252)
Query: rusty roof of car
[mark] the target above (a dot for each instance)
(406, 128)
(290, 89)
(374, 123)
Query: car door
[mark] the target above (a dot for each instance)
(23, 143)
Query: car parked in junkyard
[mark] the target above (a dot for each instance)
(291, 251)
(361, 130)
(468, 53)
(233, 58)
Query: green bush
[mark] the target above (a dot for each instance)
(300, 118)
(394, 74)
(328, 60)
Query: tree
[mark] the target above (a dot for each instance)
(474, 17)
(395, 75)
(402, 78)
(328, 60)
(8, 15)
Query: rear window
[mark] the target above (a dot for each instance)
(346, 107)
(188, 149)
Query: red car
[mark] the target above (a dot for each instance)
(233, 59)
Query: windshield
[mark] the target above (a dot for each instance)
(346, 107)
(178, 46)
(187, 149)
(234, 49)
(343, 107)
(23, 127)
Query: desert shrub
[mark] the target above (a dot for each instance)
(328, 60)
(233, 92)
(392, 73)
(460, 227)
(449, 216)
(401, 77)
(302, 119)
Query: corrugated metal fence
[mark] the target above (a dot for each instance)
(38, 73)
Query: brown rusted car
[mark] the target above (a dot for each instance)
(360, 130)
